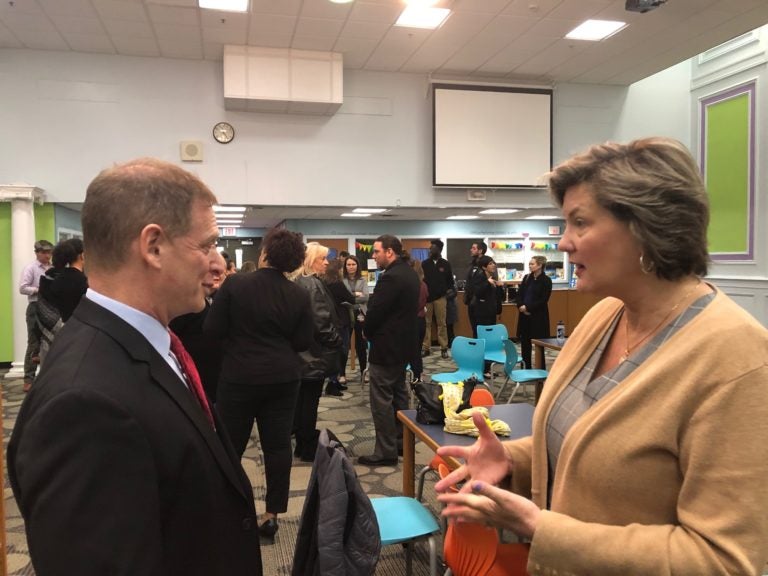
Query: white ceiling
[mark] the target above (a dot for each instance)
(510, 40)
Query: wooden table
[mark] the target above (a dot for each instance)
(539, 362)
(518, 416)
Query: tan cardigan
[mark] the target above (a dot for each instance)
(668, 473)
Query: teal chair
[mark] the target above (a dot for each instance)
(517, 376)
(404, 520)
(469, 356)
(494, 336)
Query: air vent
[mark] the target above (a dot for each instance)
(191, 151)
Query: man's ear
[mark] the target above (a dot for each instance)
(152, 242)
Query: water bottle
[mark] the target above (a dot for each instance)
(560, 334)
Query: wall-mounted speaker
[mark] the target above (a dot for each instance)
(191, 151)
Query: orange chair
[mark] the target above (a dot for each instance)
(481, 397)
(475, 550)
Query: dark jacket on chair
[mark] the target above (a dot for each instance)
(338, 533)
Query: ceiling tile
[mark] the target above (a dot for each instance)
(213, 51)
(396, 47)
(364, 29)
(135, 46)
(553, 55)
(79, 25)
(184, 34)
(225, 34)
(90, 43)
(284, 7)
(480, 6)
(325, 9)
(37, 41)
(119, 10)
(313, 43)
(371, 12)
(536, 8)
(217, 18)
(271, 24)
(67, 7)
(356, 51)
(319, 27)
(580, 11)
(127, 29)
(20, 7)
(174, 15)
(270, 40)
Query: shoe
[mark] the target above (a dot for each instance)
(333, 392)
(27, 385)
(342, 380)
(425, 353)
(374, 461)
(367, 377)
(399, 450)
(416, 381)
(268, 529)
(444, 353)
(341, 386)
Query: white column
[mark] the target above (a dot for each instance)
(22, 198)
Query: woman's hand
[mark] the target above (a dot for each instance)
(523, 309)
(492, 506)
(485, 461)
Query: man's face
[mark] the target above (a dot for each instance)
(188, 272)
(44, 256)
(434, 250)
(382, 257)
(216, 269)
(474, 251)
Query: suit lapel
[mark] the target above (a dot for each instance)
(141, 350)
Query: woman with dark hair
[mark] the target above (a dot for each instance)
(649, 452)
(486, 292)
(60, 291)
(344, 301)
(533, 307)
(324, 355)
(358, 286)
(264, 321)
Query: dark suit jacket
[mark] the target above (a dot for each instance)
(116, 469)
(390, 324)
(537, 291)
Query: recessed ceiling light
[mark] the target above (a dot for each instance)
(229, 208)
(542, 217)
(370, 210)
(224, 5)
(499, 211)
(230, 226)
(355, 215)
(463, 217)
(595, 30)
(228, 222)
(422, 17)
(341, 1)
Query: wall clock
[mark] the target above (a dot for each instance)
(223, 132)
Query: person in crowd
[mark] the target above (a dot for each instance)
(533, 307)
(451, 314)
(29, 286)
(416, 361)
(344, 302)
(342, 255)
(649, 452)
(205, 350)
(231, 266)
(117, 462)
(487, 292)
(358, 286)
(477, 250)
(390, 327)
(61, 288)
(264, 322)
(438, 276)
(248, 266)
(324, 355)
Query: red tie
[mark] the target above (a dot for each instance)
(190, 374)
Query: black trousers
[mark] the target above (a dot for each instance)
(305, 418)
(272, 406)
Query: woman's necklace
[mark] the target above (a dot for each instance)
(628, 348)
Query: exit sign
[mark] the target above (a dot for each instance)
(229, 231)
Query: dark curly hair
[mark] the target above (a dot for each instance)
(283, 249)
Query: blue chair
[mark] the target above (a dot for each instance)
(469, 355)
(517, 376)
(494, 337)
(404, 520)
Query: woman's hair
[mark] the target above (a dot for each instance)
(416, 265)
(333, 272)
(66, 252)
(358, 273)
(283, 249)
(655, 187)
(483, 261)
(314, 251)
(540, 260)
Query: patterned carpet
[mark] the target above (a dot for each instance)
(348, 417)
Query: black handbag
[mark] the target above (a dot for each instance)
(429, 405)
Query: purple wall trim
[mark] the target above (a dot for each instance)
(750, 89)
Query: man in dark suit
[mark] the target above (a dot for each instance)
(114, 462)
(390, 326)
(474, 274)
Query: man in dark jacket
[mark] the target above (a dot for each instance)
(438, 277)
(477, 250)
(390, 326)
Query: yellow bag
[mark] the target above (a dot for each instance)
(461, 422)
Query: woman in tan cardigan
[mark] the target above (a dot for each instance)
(649, 452)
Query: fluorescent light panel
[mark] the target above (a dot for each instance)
(369, 210)
(224, 5)
(229, 208)
(341, 1)
(595, 30)
(540, 217)
(354, 215)
(499, 211)
(230, 226)
(422, 17)
(463, 217)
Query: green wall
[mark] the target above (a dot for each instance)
(45, 227)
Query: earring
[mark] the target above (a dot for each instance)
(646, 269)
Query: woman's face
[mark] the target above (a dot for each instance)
(603, 250)
(319, 264)
(534, 266)
(351, 267)
(491, 267)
